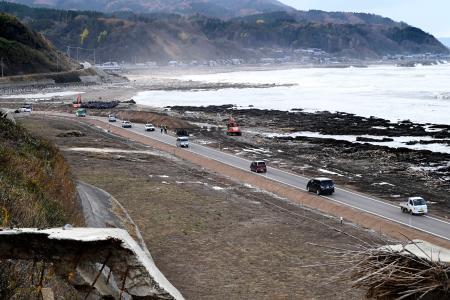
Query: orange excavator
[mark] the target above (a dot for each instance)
(233, 127)
(77, 103)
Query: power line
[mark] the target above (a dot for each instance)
(77, 51)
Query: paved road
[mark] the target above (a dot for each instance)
(346, 197)
(97, 208)
(359, 201)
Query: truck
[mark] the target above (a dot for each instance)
(81, 112)
(414, 206)
(233, 127)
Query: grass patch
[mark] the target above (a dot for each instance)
(36, 189)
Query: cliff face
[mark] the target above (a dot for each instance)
(126, 36)
(25, 51)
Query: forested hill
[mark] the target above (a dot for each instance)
(24, 51)
(211, 8)
(126, 36)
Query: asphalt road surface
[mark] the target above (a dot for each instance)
(346, 197)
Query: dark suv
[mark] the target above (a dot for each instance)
(320, 186)
(258, 166)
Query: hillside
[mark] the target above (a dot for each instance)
(36, 190)
(25, 51)
(347, 34)
(162, 37)
(322, 17)
(35, 180)
(212, 8)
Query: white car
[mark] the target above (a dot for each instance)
(26, 108)
(112, 118)
(149, 127)
(126, 124)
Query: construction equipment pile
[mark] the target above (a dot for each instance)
(100, 104)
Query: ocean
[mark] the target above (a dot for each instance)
(420, 94)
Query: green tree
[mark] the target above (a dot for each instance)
(101, 37)
(84, 35)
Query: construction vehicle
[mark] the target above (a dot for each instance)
(233, 127)
(77, 103)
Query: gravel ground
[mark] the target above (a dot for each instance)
(211, 237)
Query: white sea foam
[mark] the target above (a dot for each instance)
(398, 141)
(41, 95)
(388, 92)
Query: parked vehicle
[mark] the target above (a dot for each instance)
(320, 185)
(26, 108)
(233, 127)
(126, 124)
(112, 118)
(149, 127)
(183, 142)
(258, 166)
(414, 206)
(81, 112)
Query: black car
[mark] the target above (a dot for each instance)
(320, 186)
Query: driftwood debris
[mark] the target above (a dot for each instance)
(412, 270)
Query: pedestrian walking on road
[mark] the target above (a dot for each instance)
(165, 129)
(162, 129)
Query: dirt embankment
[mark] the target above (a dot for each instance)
(145, 117)
(212, 237)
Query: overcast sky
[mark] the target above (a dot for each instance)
(430, 15)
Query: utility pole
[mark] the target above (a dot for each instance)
(77, 55)
(1, 63)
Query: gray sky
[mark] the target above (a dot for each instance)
(430, 15)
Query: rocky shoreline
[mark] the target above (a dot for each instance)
(386, 172)
(336, 123)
